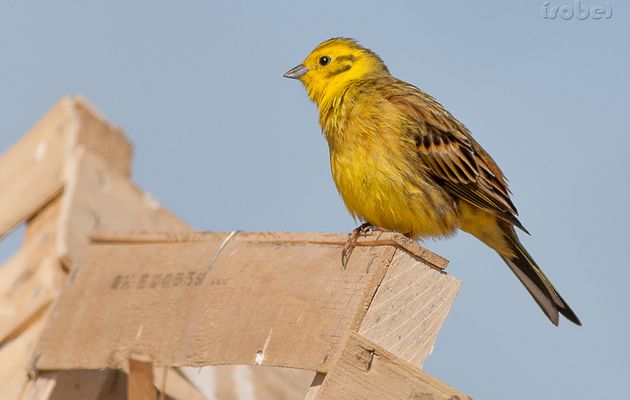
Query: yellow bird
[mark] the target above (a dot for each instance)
(402, 162)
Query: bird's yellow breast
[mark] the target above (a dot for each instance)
(373, 167)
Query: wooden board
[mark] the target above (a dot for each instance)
(280, 383)
(266, 300)
(366, 371)
(140, 381)
(175, 384)
(16, 358)
(31, 172)
(41, 388)
(97, 136)
(234, 382)
(378, 238)
(98, 198)
(409, 308)
(41, 155)
(29, 282)
(32, 299)
(44, 223)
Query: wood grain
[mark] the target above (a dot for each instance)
(16, 358)
(98, 197)
(409, 308)
(366, 371)
(40, 158)
(270, 299)
(29, 282)
(261, 303)
(31, 172)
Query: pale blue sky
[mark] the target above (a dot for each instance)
(227, 143)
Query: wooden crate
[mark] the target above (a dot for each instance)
(108, 280)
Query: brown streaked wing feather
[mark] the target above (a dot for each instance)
(464, 168)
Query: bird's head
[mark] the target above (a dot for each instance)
(333, 65)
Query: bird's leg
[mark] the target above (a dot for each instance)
(362, 229)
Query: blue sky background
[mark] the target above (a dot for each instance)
(227, 143)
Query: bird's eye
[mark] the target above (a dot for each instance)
(324, 60)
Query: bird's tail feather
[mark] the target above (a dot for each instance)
(534, 280)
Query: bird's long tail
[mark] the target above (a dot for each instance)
(534, 279)
(501, 236)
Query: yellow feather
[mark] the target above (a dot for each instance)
(402, 162)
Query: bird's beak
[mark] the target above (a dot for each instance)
(297, 72)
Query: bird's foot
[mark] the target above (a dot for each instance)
(363, 229)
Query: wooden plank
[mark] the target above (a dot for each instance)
(41, 155)
(31, 300)
(366, 371)
(316, 385)
(140, 381)
(234, 382)
(44, 222)
(259, 303)
(16, 357)
(23, 264)
(29, 282)
(40, 388)
(175, 385)
(409, 308)
(280, 383)
(334, 239)
(39, 159)
(98, 136)
(225, 382)
(99, 198)
(32, 278)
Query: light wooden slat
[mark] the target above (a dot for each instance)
(23, 264)
(97, 136)
(225, 382)
(280, 383)
(409, 308)
(235, 382)
(175, 385)
(334, 239)
(40, 388)
(406, 310)
(30, 301)
(33, 277)
(44, 223)
(267, 303)
(267, 383)
(31, 172)
(16, 358)
(367, 371)
(140, 381)
(29, 282)
(99, 198)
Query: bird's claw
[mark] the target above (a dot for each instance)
(348, 248)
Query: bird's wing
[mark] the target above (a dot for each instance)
(454, 159)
